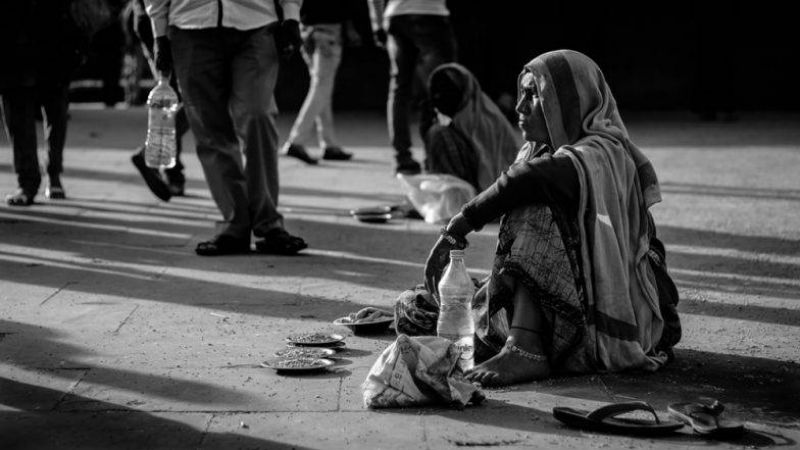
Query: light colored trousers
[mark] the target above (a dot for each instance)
(322, 51)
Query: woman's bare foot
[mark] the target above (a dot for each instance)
(510, 366)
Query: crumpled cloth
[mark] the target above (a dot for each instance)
(416, 371)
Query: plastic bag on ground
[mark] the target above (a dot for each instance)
(437, 197)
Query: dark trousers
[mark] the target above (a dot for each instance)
(19, 112)
(417, 44)
(227, 78)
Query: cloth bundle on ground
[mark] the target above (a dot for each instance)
(415, 371)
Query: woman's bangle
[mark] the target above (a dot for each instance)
(453, 240)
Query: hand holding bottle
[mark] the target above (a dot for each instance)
(452, 238)
(289, 40)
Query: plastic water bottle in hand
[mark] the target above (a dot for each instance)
(455, 309)
(162, 104)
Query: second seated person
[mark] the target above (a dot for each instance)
(473, 140)
(226, 60)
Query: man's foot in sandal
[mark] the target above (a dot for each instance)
(223, 245)
(704, 418)
(606, 419)
(55, 192)
(278, 241)
(512, 365)
(19, 198)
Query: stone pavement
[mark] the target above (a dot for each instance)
(113, 334)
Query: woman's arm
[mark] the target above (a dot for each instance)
(548, 179)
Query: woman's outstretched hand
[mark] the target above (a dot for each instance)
(436, 263)
(452, 238)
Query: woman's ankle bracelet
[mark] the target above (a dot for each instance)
(514, 348)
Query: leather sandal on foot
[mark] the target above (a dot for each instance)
(704, 418)
(605, 420)
(19, 198)
(279, 242)
(223, 245)
(55, 193)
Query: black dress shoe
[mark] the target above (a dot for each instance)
(299, 152)
(336, 154)
(151, 177)
(407, 166)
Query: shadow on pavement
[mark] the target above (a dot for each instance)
(747, 386)
(114, 427)
(27, 346)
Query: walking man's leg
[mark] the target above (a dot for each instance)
(202, 63)
(19, 112)
(55, 103)
(254, 71)
(403, 57)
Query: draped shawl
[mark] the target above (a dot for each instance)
(617, 186)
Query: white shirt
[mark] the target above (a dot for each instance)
(382, 10)
(199, 14)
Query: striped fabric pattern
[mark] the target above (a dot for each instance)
(618, 185)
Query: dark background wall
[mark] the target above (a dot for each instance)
(655, 55)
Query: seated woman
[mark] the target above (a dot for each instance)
(473, 141)
(578, 271)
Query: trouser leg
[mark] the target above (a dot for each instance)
(433, 36)
(323, 54)
(202, 63)
(55, 103)
(19, 111)
(254, 71)
(402, 56)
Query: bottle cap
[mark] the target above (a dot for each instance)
(456, 253)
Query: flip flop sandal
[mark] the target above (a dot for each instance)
(19, 198)
(279, 242)
(704, 419)
(605, 420)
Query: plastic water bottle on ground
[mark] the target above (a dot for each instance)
(162, 104)
(455, 314)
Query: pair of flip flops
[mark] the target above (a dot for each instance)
(702, 417)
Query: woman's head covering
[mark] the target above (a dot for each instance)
(477, 117)
(579, 107)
